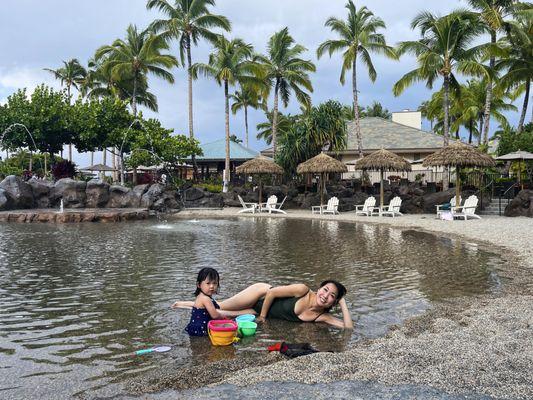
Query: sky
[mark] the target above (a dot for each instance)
(38, 34)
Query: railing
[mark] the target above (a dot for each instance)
(508, 194)
(483, 188)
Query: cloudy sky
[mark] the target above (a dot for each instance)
(37, 34)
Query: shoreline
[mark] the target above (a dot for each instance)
(481, 345)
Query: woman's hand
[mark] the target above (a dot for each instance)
(260, 319)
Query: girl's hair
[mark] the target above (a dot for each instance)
(341, 290)
(206, 273)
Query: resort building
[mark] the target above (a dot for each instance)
(214, 157)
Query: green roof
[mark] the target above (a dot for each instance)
(216, 151)
(380, 133)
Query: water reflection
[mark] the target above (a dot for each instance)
(76, 301)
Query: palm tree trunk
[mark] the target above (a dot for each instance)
(470, 130)
(446, 139)
(356, 109)
(275, 119)
(104, 161)
(488, 99)
(480, 130)
(246, 124)
(227, 164)
(70, 144)
(189, 79)
(524, 108)
(134, 96)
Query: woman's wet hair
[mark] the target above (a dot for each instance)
(341, 290)
(206, 273)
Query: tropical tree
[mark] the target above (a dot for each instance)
(442, 50)
(229, 64)
(264, 129)
(71, 74)
(286, 72)
(188, 22)
(376, 110)
(358, 37)
(491, 13)
(136, 56)
(244, 99)
(518, 64)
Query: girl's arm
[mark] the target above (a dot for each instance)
(345, 323)
(183, 304)
(296, 290)
(208, 305)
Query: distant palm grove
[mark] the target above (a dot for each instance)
(478, 60)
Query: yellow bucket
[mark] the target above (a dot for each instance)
(222, 332)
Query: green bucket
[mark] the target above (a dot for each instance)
(247, 328)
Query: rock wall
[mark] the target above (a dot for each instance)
(36, 193)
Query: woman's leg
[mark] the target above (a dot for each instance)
(245, 299)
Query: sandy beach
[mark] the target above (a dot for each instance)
(477, 346)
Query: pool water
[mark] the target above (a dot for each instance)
(76, 301)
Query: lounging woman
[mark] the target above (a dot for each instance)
(294, 302)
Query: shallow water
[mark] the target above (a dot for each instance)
(77, 300)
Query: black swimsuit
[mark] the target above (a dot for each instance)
(282, 308)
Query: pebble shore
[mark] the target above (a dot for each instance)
(481, 345)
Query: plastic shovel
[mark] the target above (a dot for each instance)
(159, 349)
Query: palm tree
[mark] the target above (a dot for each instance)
(228, 64)
(188, 22)
(518, 64)
(491, 13)
(265, 128)
(442, 51)
(243, 99)
(72, 74)
(135, 57)
(286, 72)
(358, 37)
(377, 110)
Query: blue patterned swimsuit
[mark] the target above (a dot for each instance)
(199, 319)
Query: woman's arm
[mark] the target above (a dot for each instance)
(345, 323)
(296, 290)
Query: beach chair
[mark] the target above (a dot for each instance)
(331, 208)
(272, 205)
(452, 204)
(366, 209)
(393, 208)
(467, 210)
(247, 207)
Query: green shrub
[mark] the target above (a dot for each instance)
(211, 188)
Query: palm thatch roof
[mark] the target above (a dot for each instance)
(259, 165)
(321, 163)
(99, 167)
(383, 160)
(458, 155)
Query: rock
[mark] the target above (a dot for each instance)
(19, 191)
(432, 199)
(120, 197)
(97, 193)
(41, 191)
(6, 202)
(153, 194)
(168, 201)
(72, 192)
(193, 194)
(521, 205)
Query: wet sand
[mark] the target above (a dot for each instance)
(480, 346)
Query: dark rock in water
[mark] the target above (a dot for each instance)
(521, 205)
(193, 194)
(19, 191)
(97, 193)
(120, 197)
(72, 192)
(41, 191)
(153, 194)
(6, 202)
(168, 201)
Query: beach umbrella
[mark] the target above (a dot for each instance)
(383, 160)
(458, 155)
(321, 164)
(517, 156)
(258, 166)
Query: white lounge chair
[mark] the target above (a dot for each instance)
(393, 208)
(467, 210)
(440, 210)
(331, 208)
(366, 209)
(272, 205)
(247, 207)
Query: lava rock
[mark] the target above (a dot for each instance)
(521, 205)
(19, 191)
(97, 193)
(72, 192)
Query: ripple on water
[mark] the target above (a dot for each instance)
(77, 300)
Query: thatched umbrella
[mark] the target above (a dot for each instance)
(520, 156)
(458, 155)
(321, 164)
(257, 166)
(383, 160)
